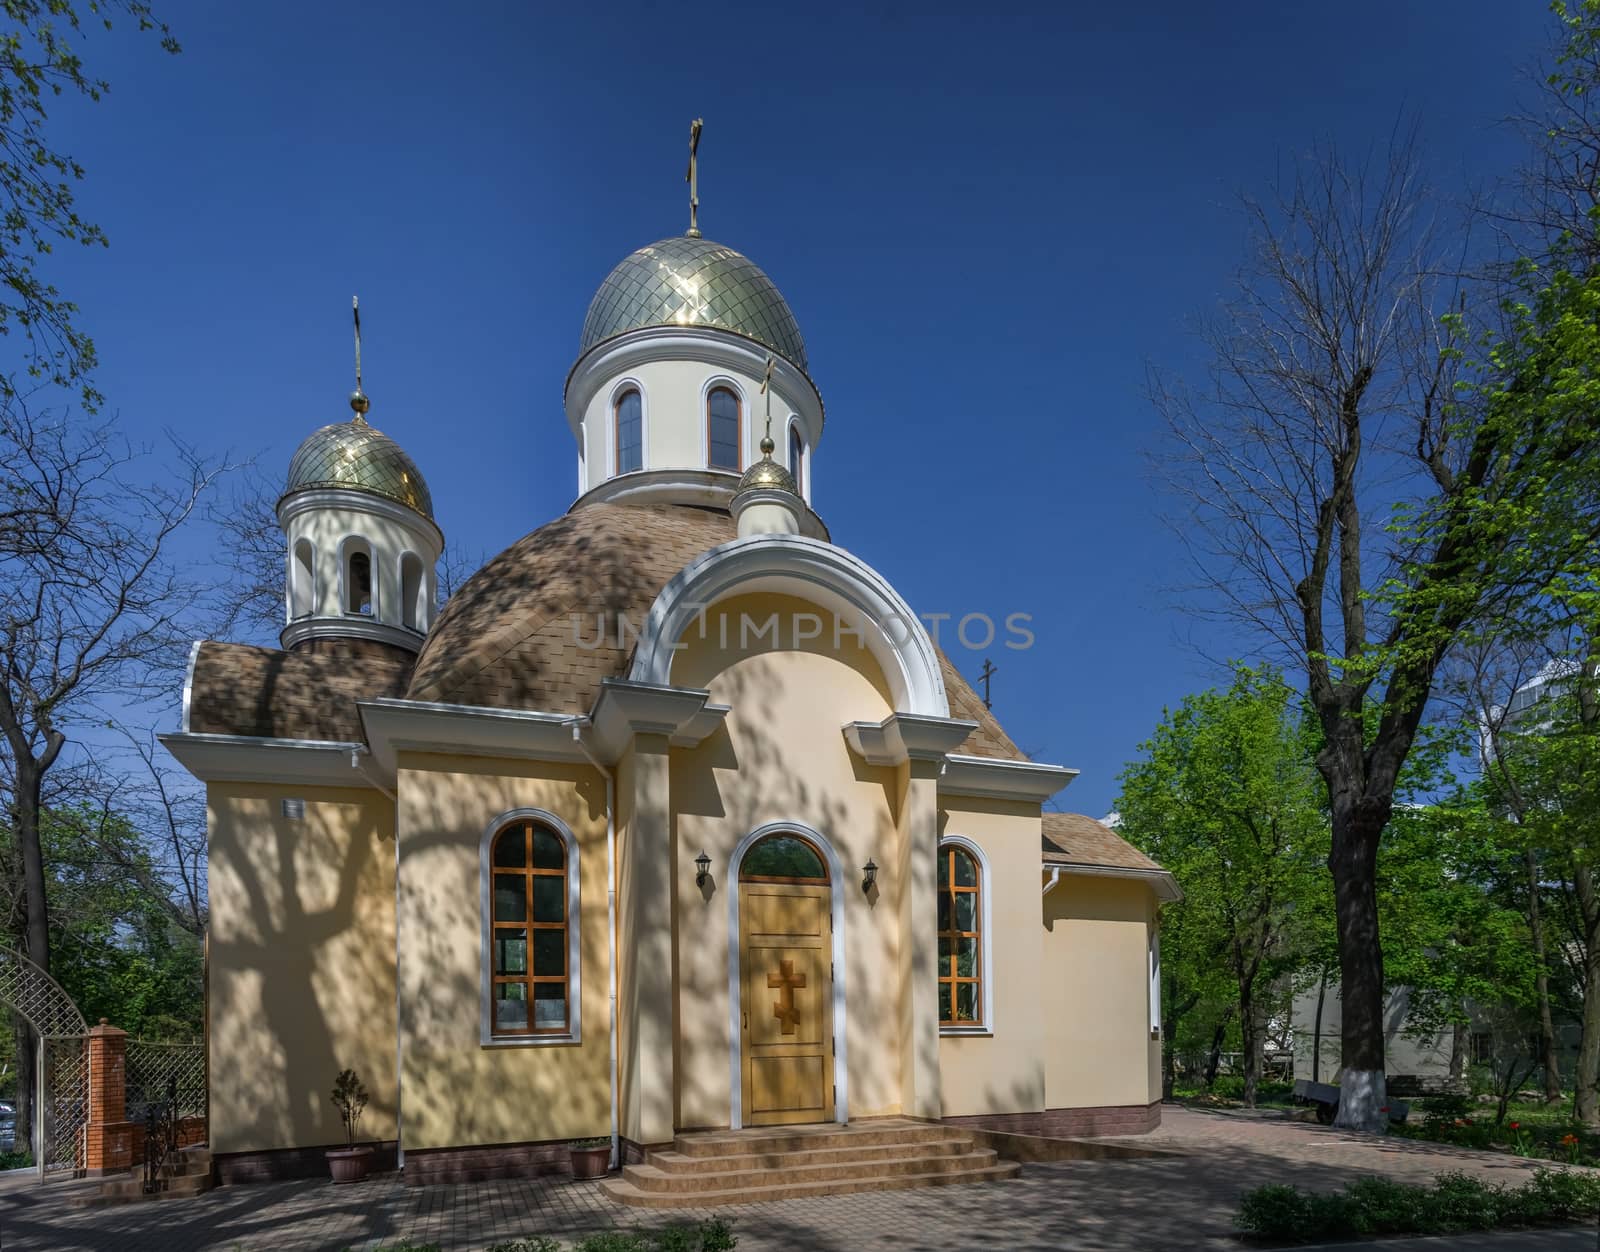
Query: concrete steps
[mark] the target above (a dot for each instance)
(752, 1166)
(190, 1175)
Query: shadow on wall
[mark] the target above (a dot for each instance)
(781, 756)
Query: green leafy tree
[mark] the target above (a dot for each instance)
(40, 61)
(1225, 796)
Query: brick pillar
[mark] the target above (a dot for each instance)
(109, 1134)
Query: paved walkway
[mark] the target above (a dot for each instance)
(1157, 1204)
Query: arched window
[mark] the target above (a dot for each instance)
(960, 938)
(722, 429)
(783, 858)
(411, 604)
(532, 932)
(797, 458)
(358, 596)
(303, 589)
(630, 431)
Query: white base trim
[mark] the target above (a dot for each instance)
(1362, 1097)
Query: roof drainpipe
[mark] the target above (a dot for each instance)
(611, 923)
(1055, 877)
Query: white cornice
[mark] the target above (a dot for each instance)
(350, 626)
(1002, 779)
(906, 736)
(394, 726)
(304, 501)
(1161, 881)
(624, 709)
(243, 758)
(714, 346)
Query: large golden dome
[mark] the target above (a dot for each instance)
(359, 457)
(693, 282)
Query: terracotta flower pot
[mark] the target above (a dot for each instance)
(591, 1162)
(350, 1164)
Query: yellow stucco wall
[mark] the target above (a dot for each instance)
(1002, 1072)
(1096, 993)
(302, 973)
(458, 1091)
(781, 756)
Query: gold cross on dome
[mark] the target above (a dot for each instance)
(693, 177)
(766, 390)
(783, 1008)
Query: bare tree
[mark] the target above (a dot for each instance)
(1347, 500)
(94, 610)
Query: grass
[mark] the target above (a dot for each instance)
(1228, 1092)
(1451, 1204)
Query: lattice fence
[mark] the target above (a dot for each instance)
(38, 997)
(158, 1072)
(65, 1114)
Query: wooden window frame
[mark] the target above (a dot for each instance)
(616, 429)
(525, 822)
(949, 979)
(738, 432)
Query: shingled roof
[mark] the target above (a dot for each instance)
(266, 693)
(506, 639)
(1076, 839)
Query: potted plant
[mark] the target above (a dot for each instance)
(591, 1158)
(349, 1163)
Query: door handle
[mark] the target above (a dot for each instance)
(746, 1016)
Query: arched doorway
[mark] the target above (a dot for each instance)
(785, 981)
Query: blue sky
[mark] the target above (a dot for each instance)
(987, 223)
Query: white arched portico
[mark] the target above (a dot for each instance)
(813, 570)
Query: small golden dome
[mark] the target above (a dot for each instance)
(359, 457)
(767, 475)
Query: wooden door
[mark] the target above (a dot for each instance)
(785, 959)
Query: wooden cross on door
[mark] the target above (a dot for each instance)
(786, 981)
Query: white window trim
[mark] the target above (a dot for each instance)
(1155, 980)
(790, 427)
(985, 940)
(574, 1032)
(841, 1052)
(746, 424)
(344, 569)
(419, 607)
(622, 385)
(294, 580)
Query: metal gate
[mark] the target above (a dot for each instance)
(62, 1105)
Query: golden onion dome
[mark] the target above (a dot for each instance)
(766, 474)
(686, 281)
(359, 457)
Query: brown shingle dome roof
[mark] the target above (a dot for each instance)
(507, 638)
(1076, 839)
(266, 693)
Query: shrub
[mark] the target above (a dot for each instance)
(16, 1160)
(534, 1243)
(1454, 1202)
(613, 1241)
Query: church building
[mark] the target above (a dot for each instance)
(672, 818)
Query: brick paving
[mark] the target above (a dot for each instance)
(1156, 1204)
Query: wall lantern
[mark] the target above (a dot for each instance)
(702, 868)
(869, 876)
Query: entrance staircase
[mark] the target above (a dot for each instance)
(786, 1162)
(189, 1174)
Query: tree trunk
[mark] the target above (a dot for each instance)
(1547, 1032)
(1588, 1070)
(27, 1083)
(1316, 1029)
(1214, 1059)
(1249, 1039)
(1458, 1055)
(1354, 862)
